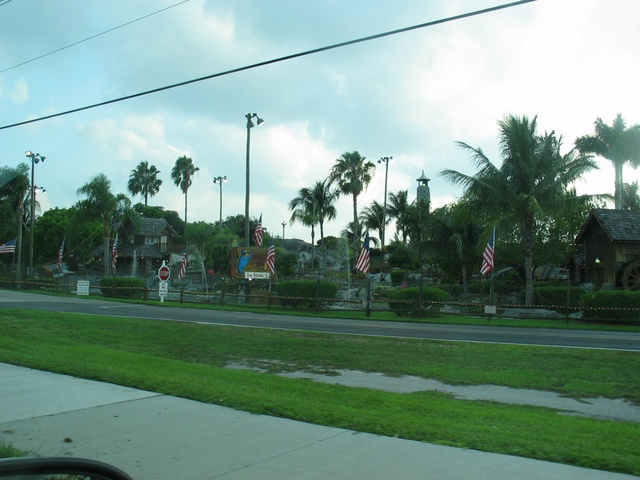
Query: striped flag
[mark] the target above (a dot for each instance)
(487, 256)
(183, 266)
(114, 254)
(8, 247)
(270, 262)
(60, 255)
(364, 260)
(258, 233)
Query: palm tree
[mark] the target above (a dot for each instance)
(101, 203)
(352, 174)
(144, 180)
(14, 187)
(324, 198)
(182, 175)
(303, 210)
(372, 217)
(616, 143)
(530, 183)
(397, 209)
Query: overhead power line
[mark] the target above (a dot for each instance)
(88, 38)
(272, 61)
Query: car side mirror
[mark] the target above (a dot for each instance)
(29, 468)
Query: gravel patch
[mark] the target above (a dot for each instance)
(603, 408)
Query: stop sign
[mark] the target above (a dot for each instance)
(164, 273)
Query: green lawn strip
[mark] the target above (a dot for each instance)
(186, 359)
(426, 416)
(579, 373)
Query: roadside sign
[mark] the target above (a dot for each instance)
(164, 273)
(163, 290)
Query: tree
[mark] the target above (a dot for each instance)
(324, 198)
(530, 183)
(303, 210)
(14, 188)
(631, 196)
(616, 143)
(101, 203)
(144, 180)
(372, 217)
(182, 176)
(352, 174)
(397, 209)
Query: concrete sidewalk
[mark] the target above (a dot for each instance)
(153, 436)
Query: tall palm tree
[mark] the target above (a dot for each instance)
(14, 187)
(144, 180)
(397, 209)
(324, 198)
(303, 210)
(372, 217)
(616, 143)
(531, 181)
(182, 176)
(352, 174)
(101, 203)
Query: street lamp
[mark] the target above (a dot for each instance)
(250, 125)
(220, 180)
(35, 158)
(384, 209)
(284, 224)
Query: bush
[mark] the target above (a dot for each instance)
(612, 305)
(302, 293)
(556, 297)
(406, 301)
(122, 287)
(398, 276)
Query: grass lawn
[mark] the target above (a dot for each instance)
(188, 360)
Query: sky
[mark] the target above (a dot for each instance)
(409, 96)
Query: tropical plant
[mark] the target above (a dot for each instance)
(182, 176)
(397, 209)
(631, 196)
(617, 143)
(530, 183)
(372, 217)
(144, 180)
(14, 188)
(100, 202)
(352, 174)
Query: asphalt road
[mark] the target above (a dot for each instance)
(481, 333)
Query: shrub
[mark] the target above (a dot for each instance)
(555, 297)
(122, 287)
(406, 301)
(397, 276)
(302, 293)
(612, 305)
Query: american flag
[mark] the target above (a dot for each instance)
(487, 256)
(270, 262)
(114, 254)
(364, 261)
(9, 247)
(258, 233)
(60, 254)
(183, 266)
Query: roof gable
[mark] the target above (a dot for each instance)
(620, 226)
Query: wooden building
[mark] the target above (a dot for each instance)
(611, 242)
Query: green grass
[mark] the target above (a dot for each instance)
(188, 360)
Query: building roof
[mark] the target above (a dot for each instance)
(620, 226)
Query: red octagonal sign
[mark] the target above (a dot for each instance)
(164, 273)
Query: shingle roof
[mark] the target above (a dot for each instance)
(620, 226)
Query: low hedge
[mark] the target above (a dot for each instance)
(406, 301)
(555, 297)
(303, 293)
(122, 287)
(612, 305)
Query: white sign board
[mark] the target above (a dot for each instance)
(490, 309)
(163, 289)
(82, 287)
(257, 275)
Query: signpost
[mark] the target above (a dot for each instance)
(163, 274)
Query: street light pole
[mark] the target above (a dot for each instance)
(220, 180)
(284, 224)
(384, 209)
(250, 125)
(35, 158)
